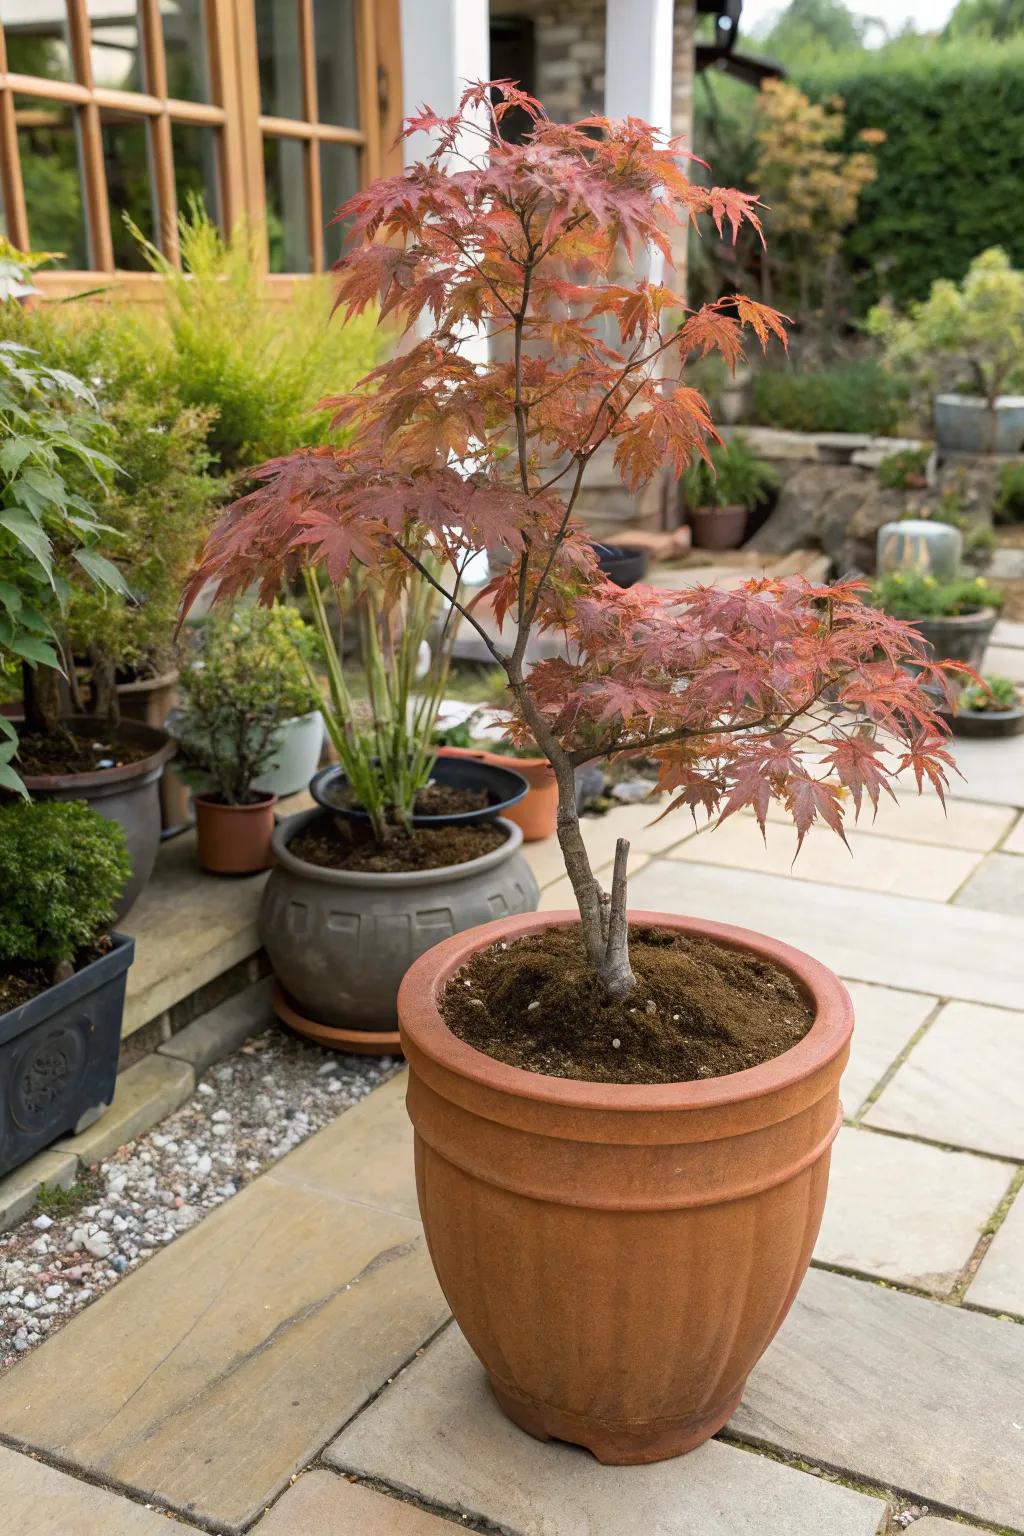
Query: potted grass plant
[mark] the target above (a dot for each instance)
(623, 1118)
(721, 491)
(62, 972)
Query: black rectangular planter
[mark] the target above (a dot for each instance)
(58, 1056)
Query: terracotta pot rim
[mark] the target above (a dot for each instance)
(163, 744)
(290, 825)
(265, 799)
(420, 1019)
(715, 511)
(535, 763)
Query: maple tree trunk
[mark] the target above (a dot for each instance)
(602, 916)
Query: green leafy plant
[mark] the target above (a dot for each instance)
(735, 477)
(848, 397)
(264, 363)
(971, 333)
(1008, 505)
(911, 595)
(253, 674)
(905, 470)
(994, 693)
(62, 868)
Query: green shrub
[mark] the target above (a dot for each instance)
(62, 868)
(993, 693)
(736, 477)
(251, 677)
(904, 471)
(850, 397)
(911, 595)
(1008, 506)
(946, 185)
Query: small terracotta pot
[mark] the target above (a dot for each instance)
(234, 839)
(619, 1257)
(536, 813)
(718, 528)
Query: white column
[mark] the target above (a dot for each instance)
(445, 43)
(638, 61)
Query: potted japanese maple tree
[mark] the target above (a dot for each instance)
(623, 1119)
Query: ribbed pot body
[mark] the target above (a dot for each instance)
(619, 1257)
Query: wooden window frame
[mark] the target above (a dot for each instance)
(234, 112)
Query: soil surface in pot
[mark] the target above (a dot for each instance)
(65, 751)
(325, 844)
(699, 1009)
(432, 800)
(21, 983)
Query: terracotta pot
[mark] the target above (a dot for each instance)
(151, 700)
(537, 812)
(234, 839)
(718, 528)
(619, 1257)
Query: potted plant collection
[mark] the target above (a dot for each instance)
(993, 707)
(244, 726)
(722, 490)
(62, 973)
(623, 1119)
(955, 618)
(969, 337)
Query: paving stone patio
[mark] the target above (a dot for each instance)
(280, 1368)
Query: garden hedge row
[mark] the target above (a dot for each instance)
(951, 169)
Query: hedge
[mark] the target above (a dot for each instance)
(951, 170)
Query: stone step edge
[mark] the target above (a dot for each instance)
(148, 1091)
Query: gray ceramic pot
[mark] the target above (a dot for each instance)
(960, 637)
(963, 424)
(340, 941)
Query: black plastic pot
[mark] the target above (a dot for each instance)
(992, 723)
(621, 563)
(58, 1056)
(503, 786)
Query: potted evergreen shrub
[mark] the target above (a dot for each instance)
(62, 973)
(721, 491)
(970, 338)
(955, 618)
(249, 719)
(623, 1119)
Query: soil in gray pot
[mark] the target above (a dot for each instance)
(67, 751)
(20, 983)
(326, 844)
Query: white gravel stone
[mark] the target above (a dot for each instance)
(43, 1223)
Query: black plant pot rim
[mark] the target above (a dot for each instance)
(291, 826)
(65, 993)
(504, 785)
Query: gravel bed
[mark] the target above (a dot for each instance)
(246, 1113)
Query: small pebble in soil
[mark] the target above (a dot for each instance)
(254, 1108)
(616, 1044)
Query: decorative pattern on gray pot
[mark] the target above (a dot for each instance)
(58, 1056)
(341, 941)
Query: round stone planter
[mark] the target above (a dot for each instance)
(963, 424)
(959, 637)
(991, 723)
(295, 758)
(619, 1257)
(340, 941)
(129, 795)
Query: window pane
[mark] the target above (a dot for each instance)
(195, 167)
(129, 189)
(49, 152)
(339, 179)
(188, 75)
(277, 43)
(116, 44)
(287, 217)
(334, 38)
(36, 33)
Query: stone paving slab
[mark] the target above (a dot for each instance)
(935, 1525)
(324, 1504)
(869, 863)
(885, 1021)
(638, 823)
(143, 1095)
(961, 1084)
(905, 1211)
(891, 940)
(438, 1431)
(37, 1500)
(207, 1378)
(993, 770)
(997, 885)
(904, 1392)
(999, 1283)
(1005, 660)
(20, 1188)
(922, 819)
(1008, 632)
(1015, 842)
